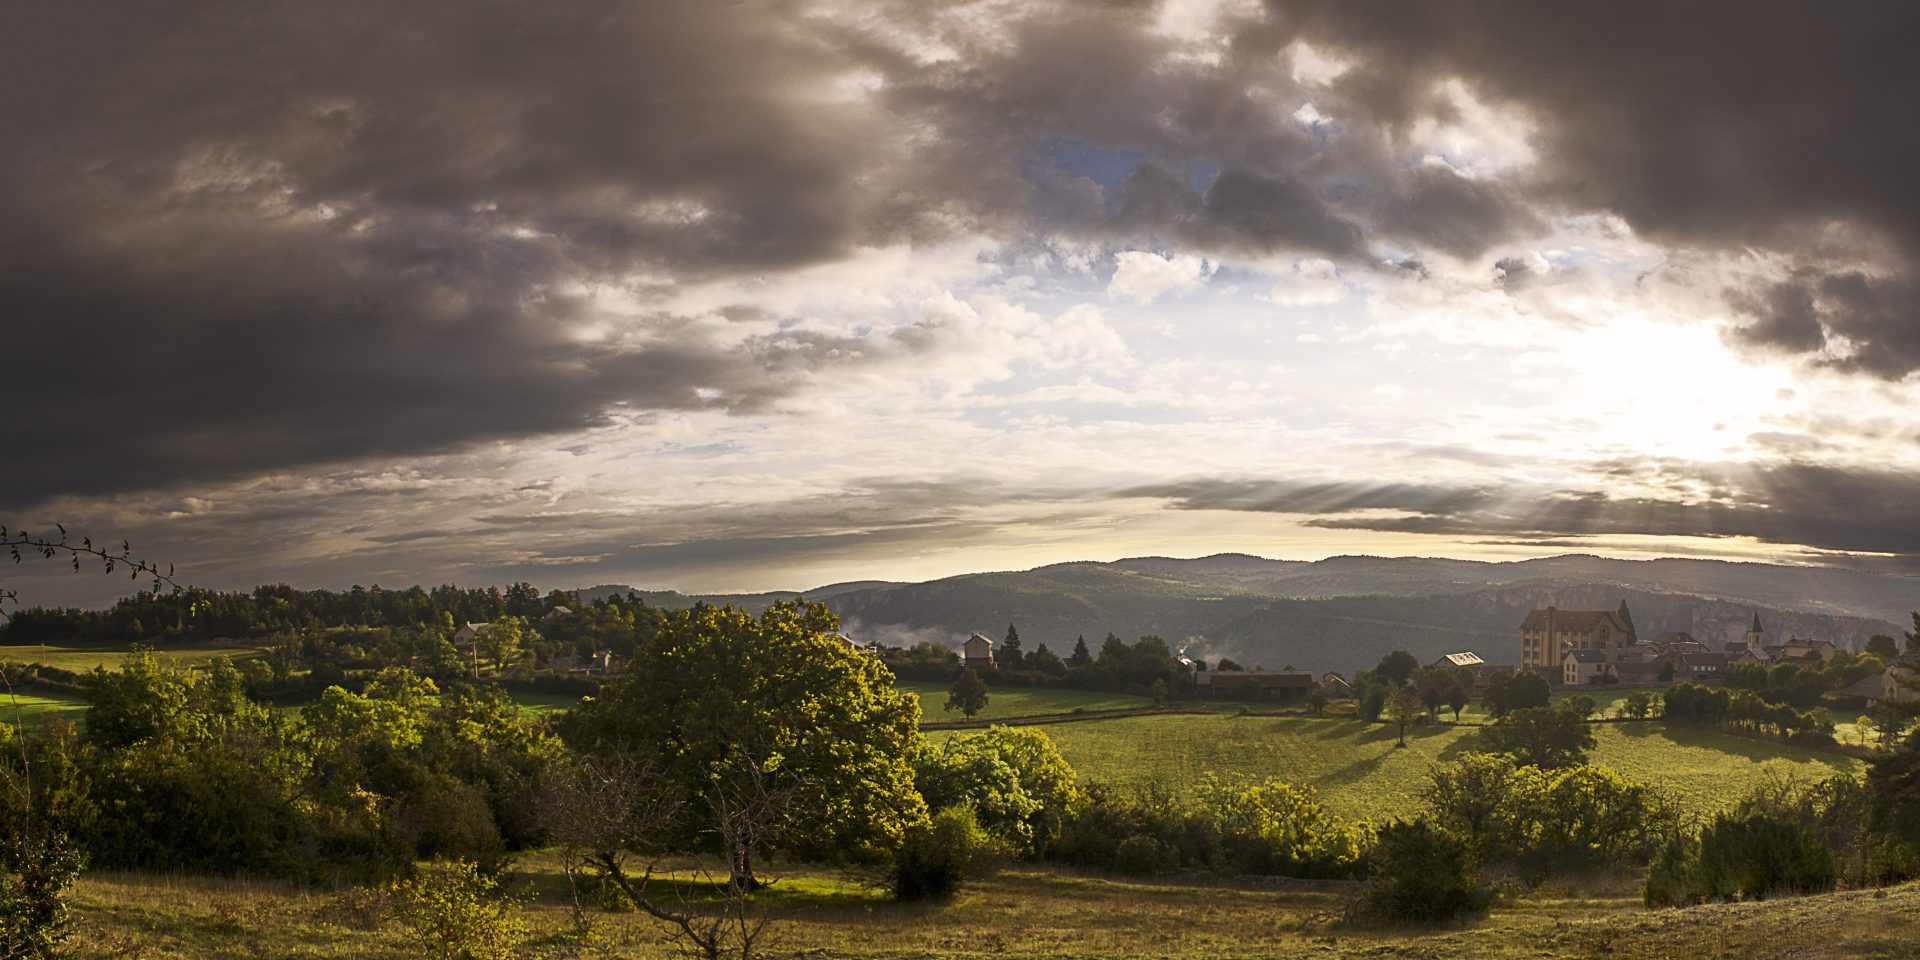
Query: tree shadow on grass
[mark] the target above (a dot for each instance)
(1758, 751)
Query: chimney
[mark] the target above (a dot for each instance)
(1553, 640)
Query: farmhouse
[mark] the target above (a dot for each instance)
(1547, 635)
(977, 652)
(1336, 685)
(1638, 672)
(467, 632)
(1699, 666)
(1583, 666)
(1256, 684)
(1895, 684)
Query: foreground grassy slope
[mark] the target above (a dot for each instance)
(1024, 913)
(1360, 772)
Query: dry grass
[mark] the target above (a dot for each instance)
(1020, 913)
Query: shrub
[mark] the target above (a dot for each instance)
(1268, 828)
(1140, 856)
(1015, 781)
(1749, 855)
(1547, 819)
(936, 859)
(1420, 873)
(457, 914)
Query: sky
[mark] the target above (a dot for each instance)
(767, 295)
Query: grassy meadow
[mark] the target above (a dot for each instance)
(1007, 702)
(1021, 912)
(81, 658)
(1360, 773)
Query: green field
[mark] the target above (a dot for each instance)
(1360, 772)
(82, 658)
(1004, 702)
(28, 704)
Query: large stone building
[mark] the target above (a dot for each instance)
(1546, 636)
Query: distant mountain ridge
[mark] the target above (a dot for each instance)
(1343, 612)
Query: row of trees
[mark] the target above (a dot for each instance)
(198, 615)
(1146, 666)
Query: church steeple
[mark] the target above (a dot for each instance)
(1756, 634)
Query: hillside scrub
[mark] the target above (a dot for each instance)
(1267, 828)
(1548, 819)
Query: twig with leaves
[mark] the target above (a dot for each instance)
(20, 544)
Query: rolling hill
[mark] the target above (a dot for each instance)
(1341, 612)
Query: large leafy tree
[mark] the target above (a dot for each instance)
(969, 693)
(1545, 737)
(722, 704)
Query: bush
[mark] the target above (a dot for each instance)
(936, 859)
(1420, 873)
(1019, 788)
(1748, 855)
(1547, 819)
(1269, 828)
(457, 915)
(1142, 855)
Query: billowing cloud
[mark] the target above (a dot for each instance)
(482, 247)
(1143, 276)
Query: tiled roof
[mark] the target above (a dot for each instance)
(1574, 621)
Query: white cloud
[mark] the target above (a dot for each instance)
(1143, 276)
(1475, 139)
(1311, 283)
(1313, 67)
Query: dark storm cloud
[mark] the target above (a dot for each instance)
(1877, 320)
(1716, 125)
(245, 239)
(1439, 208)
(242, 240)
(1852, 510)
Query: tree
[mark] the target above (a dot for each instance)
(1317, 699)
(1403, 708)
(1397, 667)
(1626, 617)
(1229, 664)
(1081, 655)
(968, 694)
(1519, 692)
(1581, 706)
(1539, 736)
(1884, 647)
(1430, 685)
(504, 641)
(1459, 694)
(730, 701)
(1638, 705)
(612, 815)
(1046, 661)
(1913, 636)
(1010, 656)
